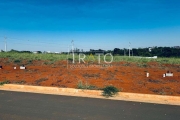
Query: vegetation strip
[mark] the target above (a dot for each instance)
(18, 57)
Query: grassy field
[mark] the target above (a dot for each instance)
(56, 57)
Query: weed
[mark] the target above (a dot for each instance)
(20, 82)
(126, 64)
(45, 63)
(81, 85)
(142, 65)
(162, 92)
(158, 91)
(141, 82)
(92, 87)
(30, 61)
(17, 61)
(4, 82)
(172, 81)
(91, 75)
(41, 80)
(154, 81)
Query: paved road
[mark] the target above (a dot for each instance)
(30, 106)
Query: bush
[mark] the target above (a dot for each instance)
(110, 91)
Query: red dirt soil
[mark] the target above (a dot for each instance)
(128, 77)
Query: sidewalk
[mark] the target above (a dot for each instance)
(147, 98)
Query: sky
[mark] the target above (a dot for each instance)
(51, 25)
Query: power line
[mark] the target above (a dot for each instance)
(84, 46)
(38, 43)
(32, 44)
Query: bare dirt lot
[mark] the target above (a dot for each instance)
(127, 77)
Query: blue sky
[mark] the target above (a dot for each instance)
(50, 25)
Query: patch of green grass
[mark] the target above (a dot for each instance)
(56, 57)
(31, 56)
(161, 60)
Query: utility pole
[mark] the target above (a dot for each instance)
(72, 42)
(124, 52)
(129, 48)
(5, 44)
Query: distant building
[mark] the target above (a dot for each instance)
(150, 49)
(35, 52)
(97, 52)
(57, 52)
(177, 47)
(46, 52)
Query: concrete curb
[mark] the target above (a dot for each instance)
(147, 98)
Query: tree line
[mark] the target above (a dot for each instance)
(145, 52)
(149, 52)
